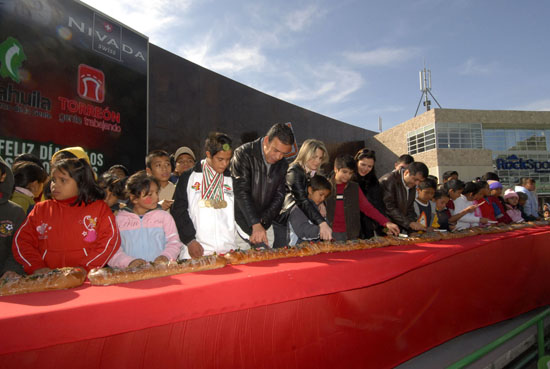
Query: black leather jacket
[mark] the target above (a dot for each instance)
(296, 193)
(399, 207)
(259, 195)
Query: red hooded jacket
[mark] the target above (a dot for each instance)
(56, 234)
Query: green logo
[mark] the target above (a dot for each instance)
(11, 58)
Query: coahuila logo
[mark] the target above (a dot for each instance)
(513, 162)
(12, 56)
(91, 83)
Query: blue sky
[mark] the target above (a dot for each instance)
(356, 60)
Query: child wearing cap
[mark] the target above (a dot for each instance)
(497, 201)
(512, 210)
(184, 159)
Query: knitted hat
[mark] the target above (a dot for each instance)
(510, 193)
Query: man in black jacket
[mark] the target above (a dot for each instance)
(399, 195)
(258, 169)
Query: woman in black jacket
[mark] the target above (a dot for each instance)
(368, 182)
(311, 156)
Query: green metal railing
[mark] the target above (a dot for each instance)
(538, 320)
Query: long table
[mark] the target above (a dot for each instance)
(360, 309)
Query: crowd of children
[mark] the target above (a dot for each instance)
(72, 217)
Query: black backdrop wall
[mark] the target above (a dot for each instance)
(187, 101)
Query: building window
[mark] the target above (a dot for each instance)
(516, 139)
(459, 136)
(423, 139)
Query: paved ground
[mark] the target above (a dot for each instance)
(461, 346)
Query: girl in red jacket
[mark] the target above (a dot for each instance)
(75, 228)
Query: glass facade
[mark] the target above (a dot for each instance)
(520, 153)
(445, 136)
(423, 139)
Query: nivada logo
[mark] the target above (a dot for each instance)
(91, 83)
(11, 58)
(513, 162)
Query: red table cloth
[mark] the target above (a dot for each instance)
(369, 308)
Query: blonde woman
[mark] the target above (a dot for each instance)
(311, 156)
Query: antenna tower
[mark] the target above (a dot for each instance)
(426, 88)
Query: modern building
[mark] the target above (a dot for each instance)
(513, 144)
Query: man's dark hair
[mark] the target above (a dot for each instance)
(27, 157)
(448, 174)
(155, 154)
(418, 167)
(405, 159)
(524, 180)
(282, 132)
(319, 182)
(490, 176)
(453, 184)
(217, 142)
(345, 161)
(427, 183)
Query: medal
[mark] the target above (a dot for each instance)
(208, 203)
(223, 204)
(202, 203)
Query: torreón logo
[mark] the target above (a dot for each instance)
(514, 162)
(12, 57)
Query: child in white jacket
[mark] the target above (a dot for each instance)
(471, 193)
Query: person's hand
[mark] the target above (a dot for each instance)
(161, 259)
(136, 263)
(42, 271)
(483, 220)
(470, 209)
(392, 228)
(325, 232)
(415, 226)
(258, 235)
(323, 210)
(195, 249)
(9, 274)
(165, 204)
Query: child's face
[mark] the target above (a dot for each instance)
(485, 191)
(110, 199)
(546, 213)
(220, 161)
(522, 201)
(36, 188)
(441, 203)
(184, 163)
(160, 168)
(479, 195)
(496, 192)
(512, 201)
(317, 196)
(342, 175)
(63, 186)
(426, 194)
(455, 194)
(147, 200)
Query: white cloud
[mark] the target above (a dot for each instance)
(473, 67)
(538, 105)
(327, 84)
(148, 17)
(303, 18)
(382, 56)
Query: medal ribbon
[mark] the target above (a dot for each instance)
(212, 183)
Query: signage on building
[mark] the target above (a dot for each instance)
(70, 76)
(514, 162)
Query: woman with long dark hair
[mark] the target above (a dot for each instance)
(368, 182)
